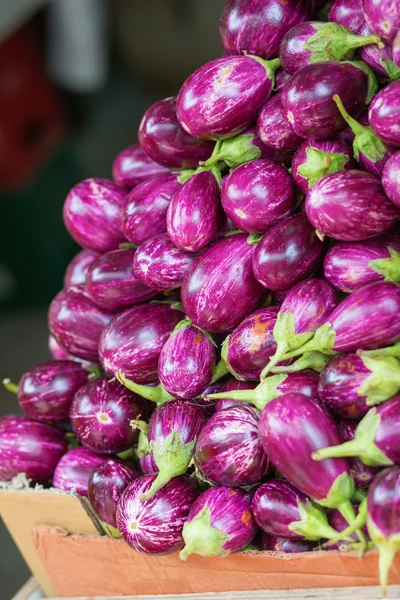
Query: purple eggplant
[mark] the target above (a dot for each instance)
(133, 341)
(100, 414)
(289, 252)
(231, 385)
(106, 485)
(155, 526)
(383, 519)
(222, 97)
(384, 114)
(29, 447)
(258, 26)
(383, 17)
(76, 322)
(258, 194)
(379, 57)
(281, 79)
(315, 159)
(92, 214)
(317, 42)
(220, 522)
(396, 49)
(74, 469)
(78, 267)
(391, 179)
(164, 140)
(217, 279)
(351, 266)
(348, 13)
(362, 474)
(390, 238)
(132, 166)
(307, 98)
(282, 510)
(58, 352)
(193, 213)
(273, 543)
(112, 282)
(145, 209)
(228, 450)
(274, 128)
(350, 206)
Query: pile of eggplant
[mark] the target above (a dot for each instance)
(226, 348)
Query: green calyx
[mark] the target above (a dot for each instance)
(322, 341)
(234, 151)
(310, 360)
(185, 175)
(158, 394)
(358, 523)
(362, 446)
(220, 371)
(320, 163)
(372, 80)
(313, 524)
(254, 238)
(340, 494)
(392, 70)
(143, 446)
(393, 351)
(388, 267)
(270, 66)
(387, 548)
(10, 386)
(332, 41)
(202, 538)
(188, 323)
(384, 381)
(110, 530)
(266, 391)
(126, 245)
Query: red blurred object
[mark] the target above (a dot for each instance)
(32, 120)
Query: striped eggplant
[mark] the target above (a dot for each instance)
(384, 114)
(273, 543)
(348, 13)
(230, 385)
(281, 79)
(73, 471)
(383, 17)
(379, 56)
(78, 267)
(363, 475)
(396, 49)
(133, 166)
(274, 128)
(391, 179)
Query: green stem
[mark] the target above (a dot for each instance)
(309, 360)
(220, 371)
(281, 350)
(354, 125)
(158, 394)
(347, 512)
(10, 386)
(350, 448)
(358, 523)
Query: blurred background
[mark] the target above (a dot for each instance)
(75, 79)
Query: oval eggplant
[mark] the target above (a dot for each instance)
(132, 166)
(231, 385)
(383, 17)
(362, 474)
(384, 114)
(348, 13)
(78, 267)
(379, 56)
(273, 543)
(391, 179)
(274, 128)
(73, 471)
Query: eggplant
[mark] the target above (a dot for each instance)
(58, 352)
(350, 206)
(231, 385)
(228, 449)
(258, 194)
(383, 17)
(375, 441)
(217, 278)
(396, 49)
(390, 238)
(100, 414)
(78, 267)
(106, 485)
(155, 526)
(73, 471)
(390, 179)
(362, 474)
(133, 166)
(221, 98)
(274, 128)
(219, 522)
(379, 56)
(289, 252)
(112, 282)
(145, 209)
(384, 114)
(273, 543)
(383, 519)
(348, 13)
(76, 322)
(29, 447)
(193, 213)
(315, 159)
(133, 341)
(282, 77)
(163, 139)
(317, 42)
(307, 98)
(258, 26)
(339, 523)
(92, 214)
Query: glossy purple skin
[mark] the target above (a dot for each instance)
(76, 322)
(384, 502)
(275, 507)
(396, 49)
(145, 209)
(362, 474)
(132, 166)
(280, 156)
(308, 103)
(147, 464)
(368, 318)
(288, 253)
(214, 283)
(303, 382)
(186, 363)
(57, 351)
(350, 206)
(164, 140)
(348, 13)
(228, 449)
(92, 214)
(332, 146)
(100, 414)
(390, 238)
(232, 384)
(74, 470)
(384, 114)
(387, 434)
(107, 483)
(258, 26)
(274, 128)
(185, 418)
(311, 302)
(383, 17)
(346, 265)
(338, 522)
(258, 194)
(222, 97)
(193, 213)
(46, 391)
(29, 447)
(273, 543)
(78, 267)
(133, 341)
(281, 79)
(372, 55)
(113, 284)
(289, 448)
(252, 343)
(159, 521)
(230, 513)
(391, 179)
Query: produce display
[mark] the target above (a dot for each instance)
(226, 348)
